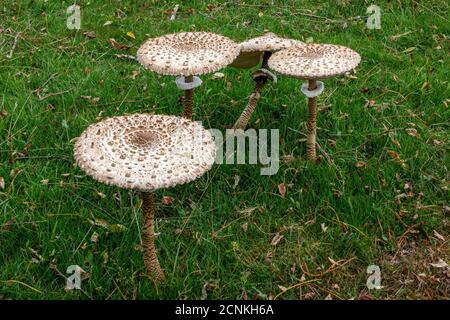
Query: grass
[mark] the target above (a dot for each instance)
(382, 199)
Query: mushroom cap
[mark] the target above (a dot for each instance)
(314, 61)
(267, 42)
(145, 152)
(187, 53)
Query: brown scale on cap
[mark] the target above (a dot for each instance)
(314, 61)
(187, 53)
(145, 152)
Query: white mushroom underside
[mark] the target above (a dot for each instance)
(145, 152)
(314, 61)
(187, 53)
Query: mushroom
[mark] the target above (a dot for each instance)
(312, 62)
(186, 55)
(250, 55)
(145, 152)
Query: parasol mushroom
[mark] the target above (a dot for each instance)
(250, 55)
(187, 55)
(145, 152)
(312, 62)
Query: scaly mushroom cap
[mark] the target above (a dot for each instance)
(145, 152)
(314, 61)
(267, 42)
(251, 50)
(187, 53)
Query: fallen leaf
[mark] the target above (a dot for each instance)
(287, 159)
(276, 239)
(218, 75)
(282, 190)
(89, 34)
(323, 227)
(425, 85)
(167, 200)
(361, 164)
(134, 74)
(118, 45)
(394, 155)
(439, 236)
(394, 141)
(131, 35)
(409, 50)
(105, 257)
(94, 237)
(282, 288)
(107, 23)
(2, 183)
(440, 264)
(117, 228)
(8, 224)
(101, 195)
(370, 103)
(236, 181)
(412, 132)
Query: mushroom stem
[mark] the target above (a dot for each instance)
(266, 57)
(312, 127)
(188, 98)
(245, 116)
(148, 238)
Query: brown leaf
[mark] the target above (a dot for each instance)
(134, 74)
(394, 155)
(394, 141)
(8, 224)
(282, 288)
(276, 239)
(236, 181)
(439, 236)
(118, 45)
(440, 264)
(370, 103)
(167, 200)
(89, 34)
(412, 132)
(361, 164)
(282, 189)
(94, 237)
(426, 85)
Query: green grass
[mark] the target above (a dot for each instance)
(215, 233)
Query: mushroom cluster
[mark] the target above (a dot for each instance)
(145, 152)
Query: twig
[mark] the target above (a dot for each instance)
(295, 286)
(41, 98)
(330, 269)
(11, 52)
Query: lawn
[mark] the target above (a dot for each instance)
(380, 195)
